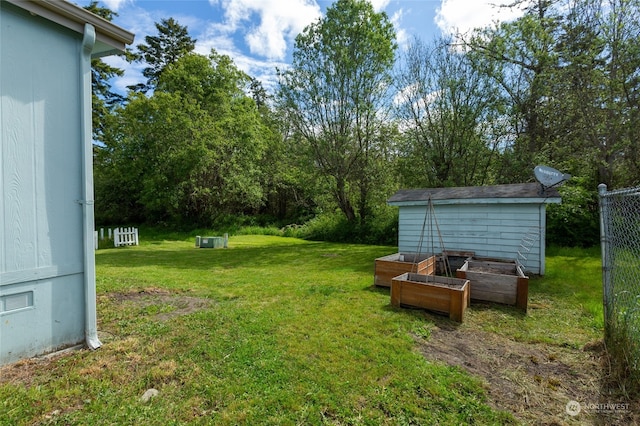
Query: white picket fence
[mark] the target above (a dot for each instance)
(125, 237)
(121, 236)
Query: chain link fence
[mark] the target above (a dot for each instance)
(620, 242)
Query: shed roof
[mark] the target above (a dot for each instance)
(110, 38)
(530, 193)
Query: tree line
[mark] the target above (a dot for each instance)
(354, 118)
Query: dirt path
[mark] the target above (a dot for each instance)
(535, 382)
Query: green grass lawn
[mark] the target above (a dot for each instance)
(286, 332)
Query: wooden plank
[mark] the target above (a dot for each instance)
(502, 285)
(499, 281)
(489, 296)
(522, 297)
(492, 287)
(456, 306)
(425, 296)
(493, 267)
(396, 290)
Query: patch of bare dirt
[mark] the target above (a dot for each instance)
(23, 370)
(535, 382)
(179, 304)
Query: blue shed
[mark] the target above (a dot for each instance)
(47, 265)
(493, 221)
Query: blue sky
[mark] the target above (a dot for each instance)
(259, 34)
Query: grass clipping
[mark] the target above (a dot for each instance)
(532, 380)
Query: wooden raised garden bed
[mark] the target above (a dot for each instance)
(445, 295)
(396, 264)
(496, 280)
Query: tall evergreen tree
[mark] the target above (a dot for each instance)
(159, 51)
(569, 70)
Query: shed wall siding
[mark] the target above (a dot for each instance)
(490, 230)
(41, 249)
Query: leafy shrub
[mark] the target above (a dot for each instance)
(334, 227)
(259, 230)
(575, 222)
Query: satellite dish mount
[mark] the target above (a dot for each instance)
(549, 177)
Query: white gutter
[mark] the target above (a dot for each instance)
(91, 322)
(109, 37)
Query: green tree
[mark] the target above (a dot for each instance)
(159, 51)
(240, 137)
(190, 152)
(288, 194)
(454, 118)
(336, 97)
(569, 70)
(521, 57)
(599, 90)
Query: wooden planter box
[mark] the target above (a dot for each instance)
(496, 280)
(445, 295)
(396, 264)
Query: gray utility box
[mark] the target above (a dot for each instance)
(210, 242)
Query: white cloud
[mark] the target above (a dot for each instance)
(263, 70)
(267, 28)
(114, 4)
(413, 95)
(138, 21)
(132, 73)
(379, 5)
(465, 15)
(402, 37)
(278, 22)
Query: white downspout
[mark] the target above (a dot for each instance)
(91, 322)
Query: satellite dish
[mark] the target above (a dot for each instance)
(549, 177)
